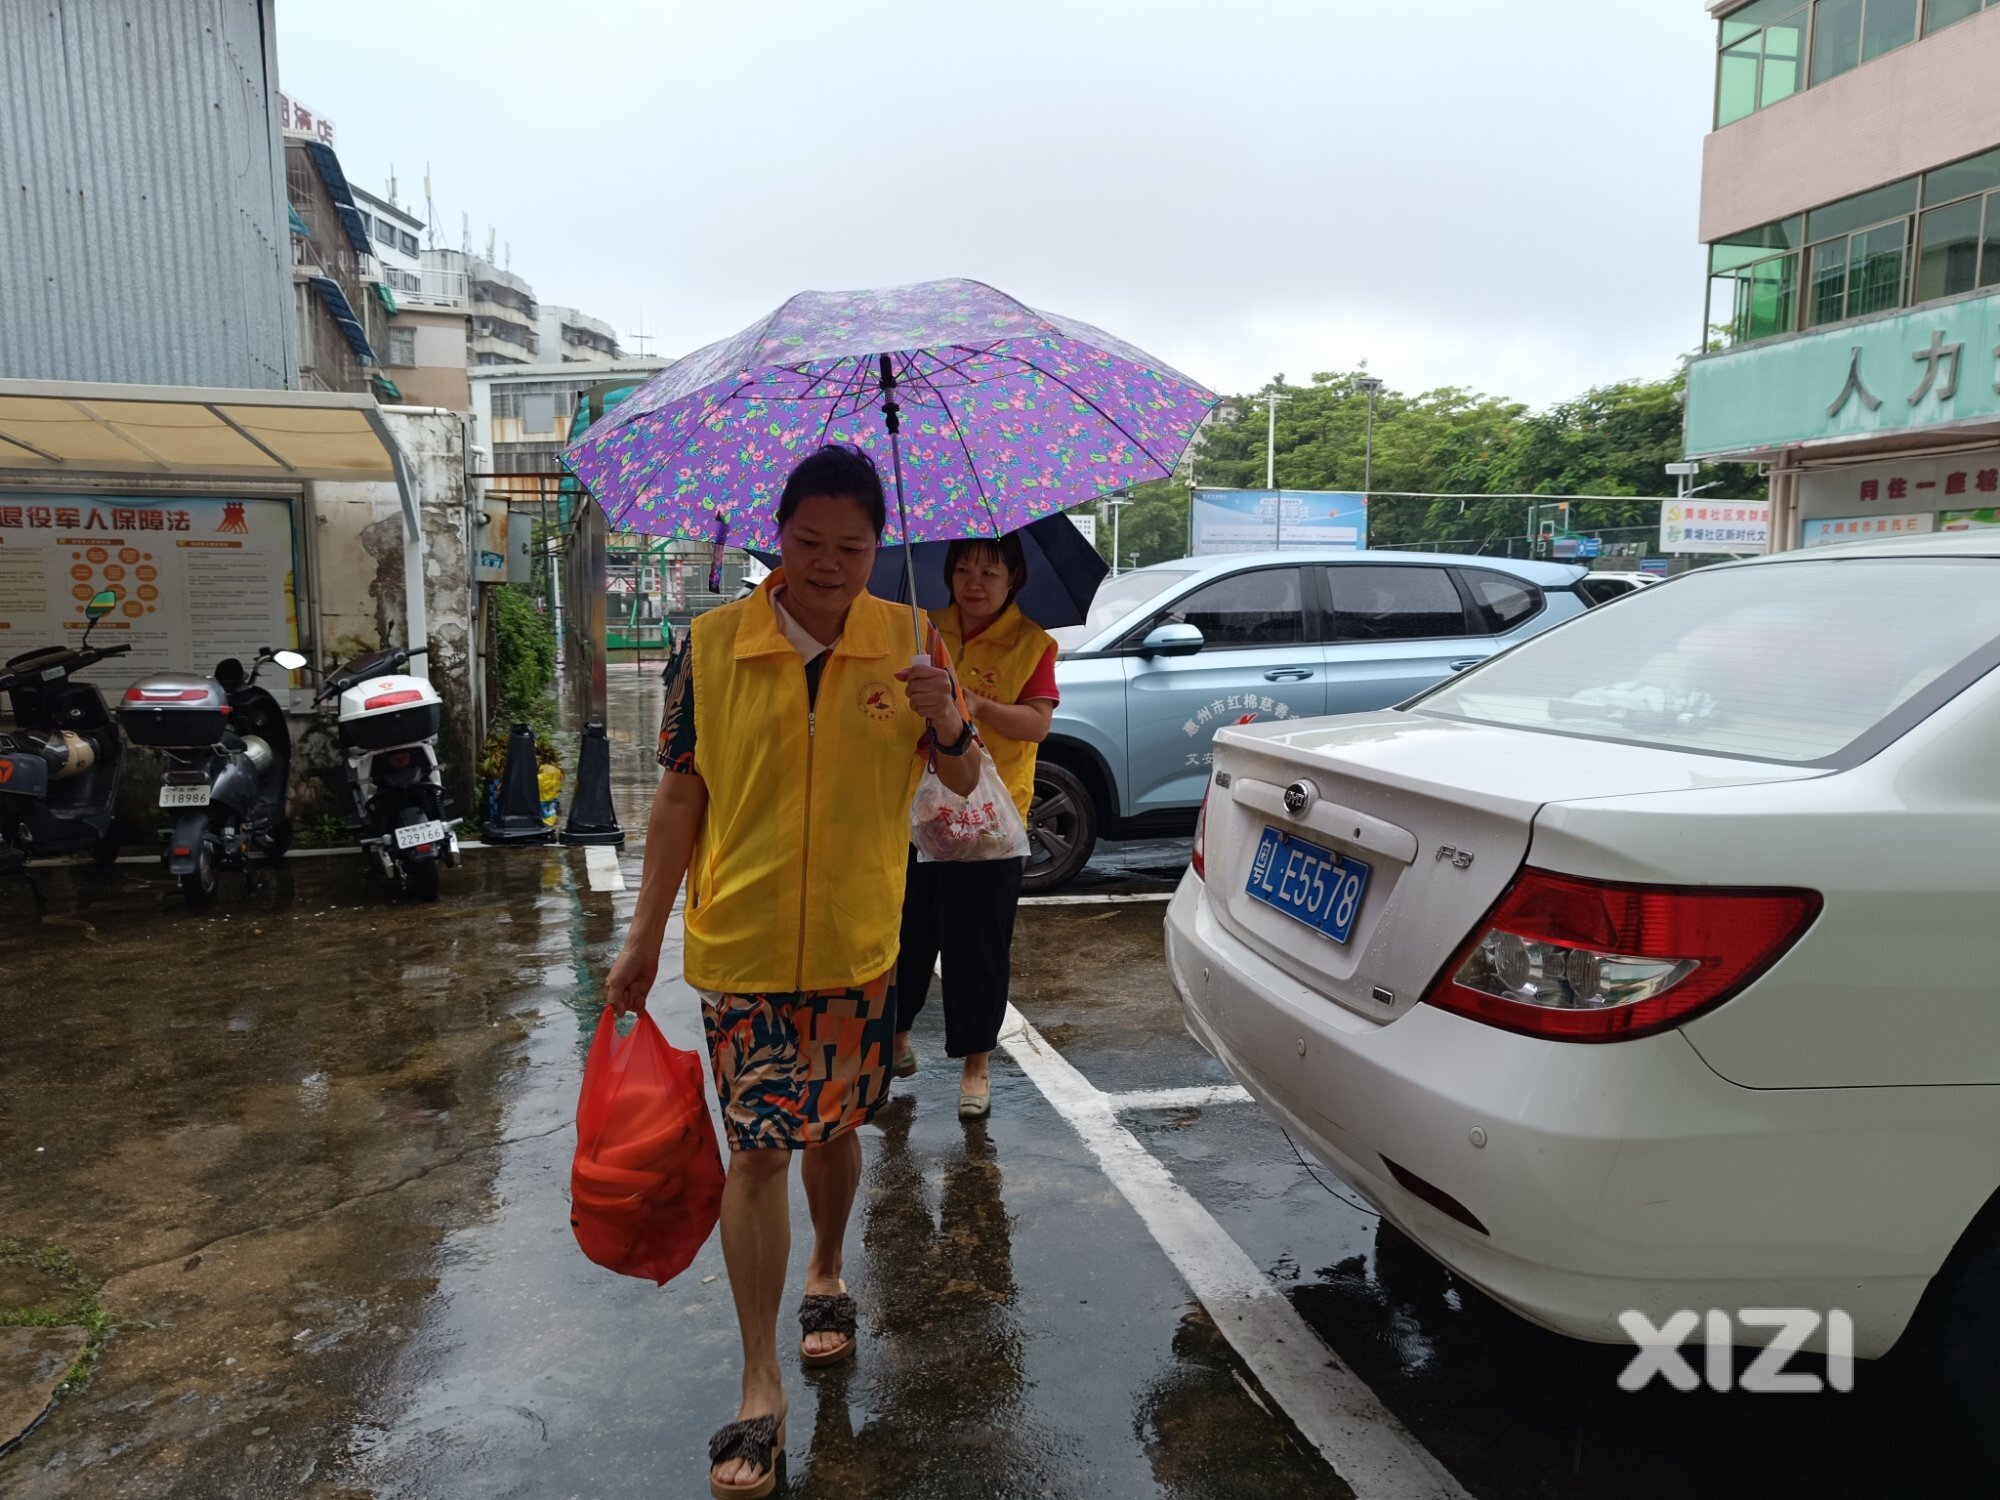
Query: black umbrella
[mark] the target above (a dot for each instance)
(1064, 571)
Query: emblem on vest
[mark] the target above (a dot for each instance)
(878, 701)
(984, 681)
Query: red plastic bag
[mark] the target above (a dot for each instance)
(645, 1188)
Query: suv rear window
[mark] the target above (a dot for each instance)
(1499, 603)
(1795, 662)
(1393, 603)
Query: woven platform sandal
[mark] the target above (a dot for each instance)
(761, 1442)
(827, 1312)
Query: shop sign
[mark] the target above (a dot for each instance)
(1929, 367)
(1695, 526)
(1928, 484)
(1827, 533)
(295, 117)
(1982, 519)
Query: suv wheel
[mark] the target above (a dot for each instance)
(1062, 829)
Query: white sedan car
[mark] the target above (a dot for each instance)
(1655, 964)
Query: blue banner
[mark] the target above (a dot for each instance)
(1269, 520)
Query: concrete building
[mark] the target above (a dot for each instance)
(341, 319)
(503, 308)
(568, 335)
(145, 237)
(1851, 206)
(426, 344)
(521, 413)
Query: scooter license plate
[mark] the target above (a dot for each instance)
(184, 796)
(420, 833)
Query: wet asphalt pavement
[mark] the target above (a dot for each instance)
(313, 1148)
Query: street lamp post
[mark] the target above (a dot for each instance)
(1272, 397)
(1115, 505)
(1372, 387)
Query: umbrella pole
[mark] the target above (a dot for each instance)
(892, 417)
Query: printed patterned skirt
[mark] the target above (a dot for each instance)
(796, 1070)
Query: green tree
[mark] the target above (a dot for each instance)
(1613, 441)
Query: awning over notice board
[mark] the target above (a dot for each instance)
(56, 429)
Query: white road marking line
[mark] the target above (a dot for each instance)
(1125, 899)
(1190, 1098)
(1338, 1414)
(600, 864)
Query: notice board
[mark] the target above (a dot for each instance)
(198, 578)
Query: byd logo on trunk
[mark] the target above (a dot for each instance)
(1790, 1327)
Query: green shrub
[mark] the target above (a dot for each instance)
(525, 655)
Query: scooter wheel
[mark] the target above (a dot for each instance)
(104, 853)
(199, 886)
(422, 880)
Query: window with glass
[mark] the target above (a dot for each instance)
(1394, 603)
(406, 241)
(384, 231)
(1762, 48)
(1754, 281)
(402, 346)
(1260, 608)
(1939, 14)
(1769, 50)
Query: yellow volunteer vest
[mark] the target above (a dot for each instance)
(797, 877)
(997, 665)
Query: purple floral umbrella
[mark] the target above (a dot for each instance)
(990, 414)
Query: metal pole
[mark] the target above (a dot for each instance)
(1116, 507)
(1368, 453)
(1271, 478)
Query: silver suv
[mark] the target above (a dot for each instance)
(1171, 653)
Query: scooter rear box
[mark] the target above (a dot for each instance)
(399, 726)
(174, 711)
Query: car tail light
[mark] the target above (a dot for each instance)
(390, 700)
(1199, 860)
(1592, 961)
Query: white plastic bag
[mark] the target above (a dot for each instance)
(948, 828)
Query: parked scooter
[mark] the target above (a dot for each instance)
(229, 757)
(389, 731)
(59, 764)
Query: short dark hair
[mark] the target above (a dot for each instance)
(1006, 550)
(836, 472)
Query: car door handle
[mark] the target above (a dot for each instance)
(1288, 674)
(1464, 662)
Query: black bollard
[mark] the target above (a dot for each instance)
(592, 819)
(520, 820)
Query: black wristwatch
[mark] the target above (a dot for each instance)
(964, 742)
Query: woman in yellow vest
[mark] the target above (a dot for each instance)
(792, 756)
(964, 913)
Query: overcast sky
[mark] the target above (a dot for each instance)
(1455, 192)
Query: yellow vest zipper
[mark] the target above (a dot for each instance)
(805, 853)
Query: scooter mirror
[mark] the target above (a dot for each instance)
(100, 605)
(291, 661)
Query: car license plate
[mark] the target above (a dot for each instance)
(419, 833)
(1308, 883)
(184, 796)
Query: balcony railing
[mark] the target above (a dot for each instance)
(429, 288)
